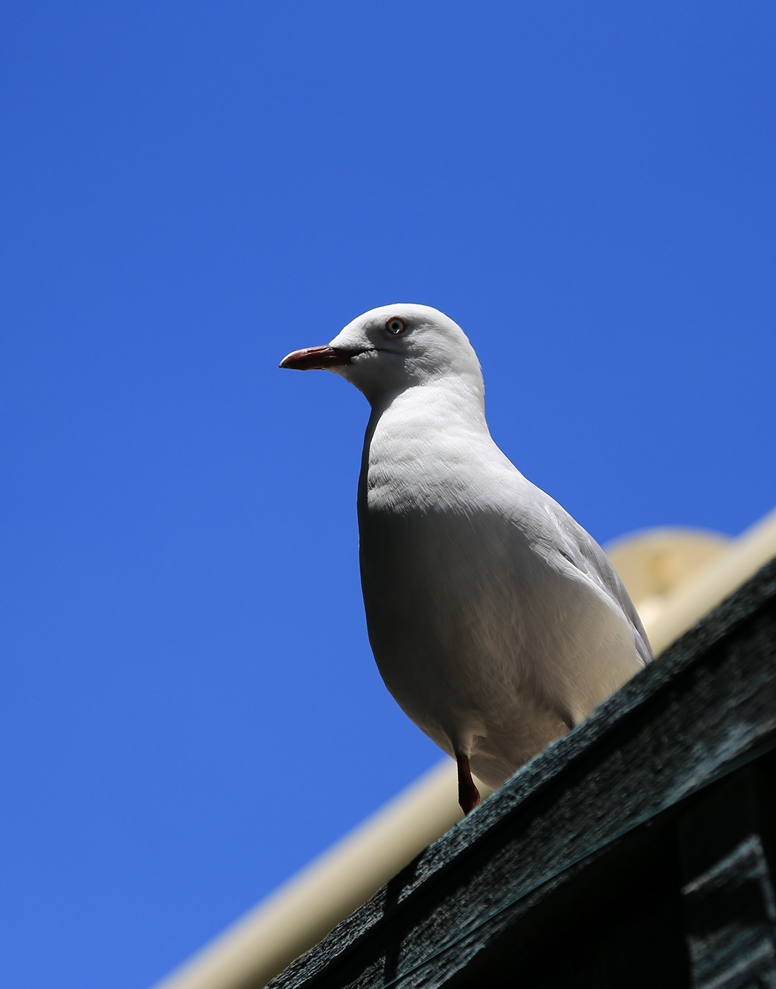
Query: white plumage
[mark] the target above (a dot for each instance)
(496, 621)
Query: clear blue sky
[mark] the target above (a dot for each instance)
(190, 190)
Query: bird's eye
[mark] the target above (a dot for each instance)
(396, 325)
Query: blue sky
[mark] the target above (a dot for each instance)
(190, 191)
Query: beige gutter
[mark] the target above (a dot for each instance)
(696, 596)
(676, 576)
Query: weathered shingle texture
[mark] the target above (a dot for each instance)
(638, 851)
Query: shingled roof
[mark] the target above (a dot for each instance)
(638, 851)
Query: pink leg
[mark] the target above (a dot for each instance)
(468, 794)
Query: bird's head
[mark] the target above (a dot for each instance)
(390, 349)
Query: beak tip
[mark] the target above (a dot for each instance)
(291, 361)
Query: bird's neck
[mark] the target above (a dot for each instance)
(458, 396)
(419, 440)
(435, 409)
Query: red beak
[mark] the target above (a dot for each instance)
(315, 358)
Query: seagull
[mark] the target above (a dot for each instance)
(496, 620)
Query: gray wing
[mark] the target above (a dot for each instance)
(580, 549)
